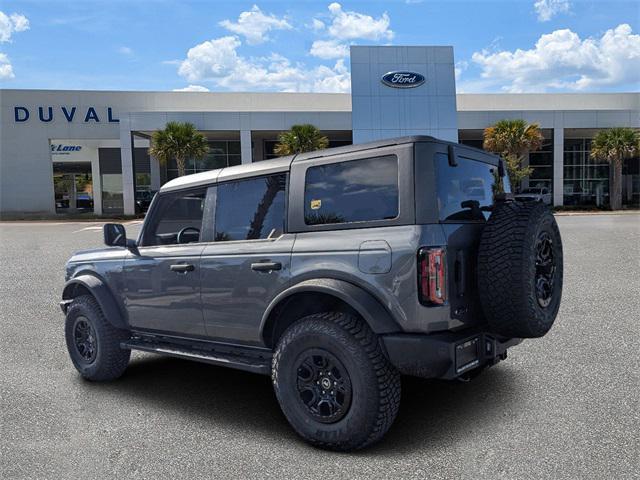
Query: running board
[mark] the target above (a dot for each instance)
(253, 364)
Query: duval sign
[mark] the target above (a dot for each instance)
(47, 114)
(402, 79)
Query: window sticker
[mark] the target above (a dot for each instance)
(316, 204)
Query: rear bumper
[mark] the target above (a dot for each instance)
(445, 355)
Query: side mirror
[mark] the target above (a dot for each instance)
(114, 235)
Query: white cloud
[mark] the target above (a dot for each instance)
(327, 49)
(192, 88)
(547, 9)
(317, 25)
(211, 59)
(125, 51)
(562, 60)
(218, 61)
(254, 25)
(6, 70)
(347, 25)
(9, 24)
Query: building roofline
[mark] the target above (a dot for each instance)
(341, 102)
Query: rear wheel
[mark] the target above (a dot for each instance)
(93, 343)
(333, 383)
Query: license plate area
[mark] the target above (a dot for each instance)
(467, 355)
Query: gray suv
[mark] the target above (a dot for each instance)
(335, 272)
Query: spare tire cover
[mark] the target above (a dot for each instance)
(520, 269)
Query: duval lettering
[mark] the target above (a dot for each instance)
(47, 114)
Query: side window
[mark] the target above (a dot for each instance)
(250, 209)
(176, 219)
(466, 191)
(352, 191)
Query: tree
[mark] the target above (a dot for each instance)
(615, 145)
(513, 140)
(301, 138)
(180, 141)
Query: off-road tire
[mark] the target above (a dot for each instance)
(110, 360)
(375, 382)
(507, 269)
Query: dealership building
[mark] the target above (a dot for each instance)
(67, 151)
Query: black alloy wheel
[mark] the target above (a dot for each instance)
(323, 385)
(85, 339)
(545, 269)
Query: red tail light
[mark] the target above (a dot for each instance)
(432, 278)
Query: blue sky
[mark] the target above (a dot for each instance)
(500, 46)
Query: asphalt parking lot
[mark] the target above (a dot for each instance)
(565, 406)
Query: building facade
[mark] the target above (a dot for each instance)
(86, 151)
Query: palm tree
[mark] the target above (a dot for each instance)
(513, 140)
(180, 141)
(614, 146)
(301, 138)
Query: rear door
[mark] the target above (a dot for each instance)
(465, 191)
(162, 290)
(249, 259)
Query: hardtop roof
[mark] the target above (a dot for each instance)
(282, 164)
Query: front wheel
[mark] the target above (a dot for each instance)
(93, 343)
(333, 383)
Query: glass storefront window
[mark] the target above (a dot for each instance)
(73, 187)
(112, 201)
(541, 161)
(222, 153)
(586, 181)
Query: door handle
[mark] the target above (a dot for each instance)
(266, 266)
(182, 268)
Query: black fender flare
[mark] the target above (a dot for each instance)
(372, 311)
(101, 293)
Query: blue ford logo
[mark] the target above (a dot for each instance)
(403, 79)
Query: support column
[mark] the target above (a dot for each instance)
(96, 184)
(154, 165)
(245, 146)
(126, 159)
(558, 166)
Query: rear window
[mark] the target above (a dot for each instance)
(466, 191)
(353, 191)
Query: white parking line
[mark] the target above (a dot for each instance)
(91, 228)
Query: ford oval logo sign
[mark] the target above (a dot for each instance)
(403, 79)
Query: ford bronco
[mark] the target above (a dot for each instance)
(335, 272)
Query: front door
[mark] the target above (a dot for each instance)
(249, 260)
(162, 291)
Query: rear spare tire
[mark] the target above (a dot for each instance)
(520, 269)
